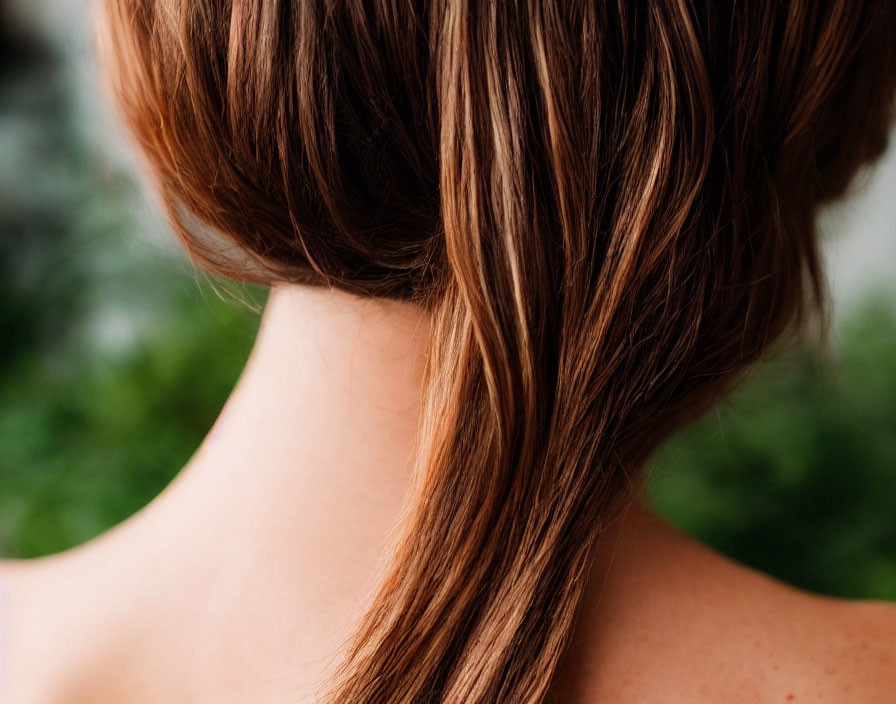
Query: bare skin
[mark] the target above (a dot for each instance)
(241, 580)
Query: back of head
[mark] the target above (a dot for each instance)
(608, 208)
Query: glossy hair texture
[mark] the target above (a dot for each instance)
(608, 208)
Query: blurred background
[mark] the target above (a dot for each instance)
(116, 354)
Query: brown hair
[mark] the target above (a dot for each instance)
(608, 208)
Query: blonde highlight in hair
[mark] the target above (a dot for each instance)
(608, 207)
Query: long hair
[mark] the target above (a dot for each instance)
(608, 208)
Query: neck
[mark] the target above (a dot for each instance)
(332, 378)
(314, 450)
(310, 460)
(321, 427)
(282, 518)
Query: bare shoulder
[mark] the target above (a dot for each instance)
(20, 633)
(675, 621)
(812, 647)
(867, 623)
(35, 640)
(821, 648)
(859, 657)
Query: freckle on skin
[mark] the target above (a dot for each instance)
(790, 697)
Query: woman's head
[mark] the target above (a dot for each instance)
(609, 209)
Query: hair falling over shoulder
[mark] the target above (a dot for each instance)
(608, 207)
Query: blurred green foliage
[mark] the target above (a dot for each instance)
(115, 359)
